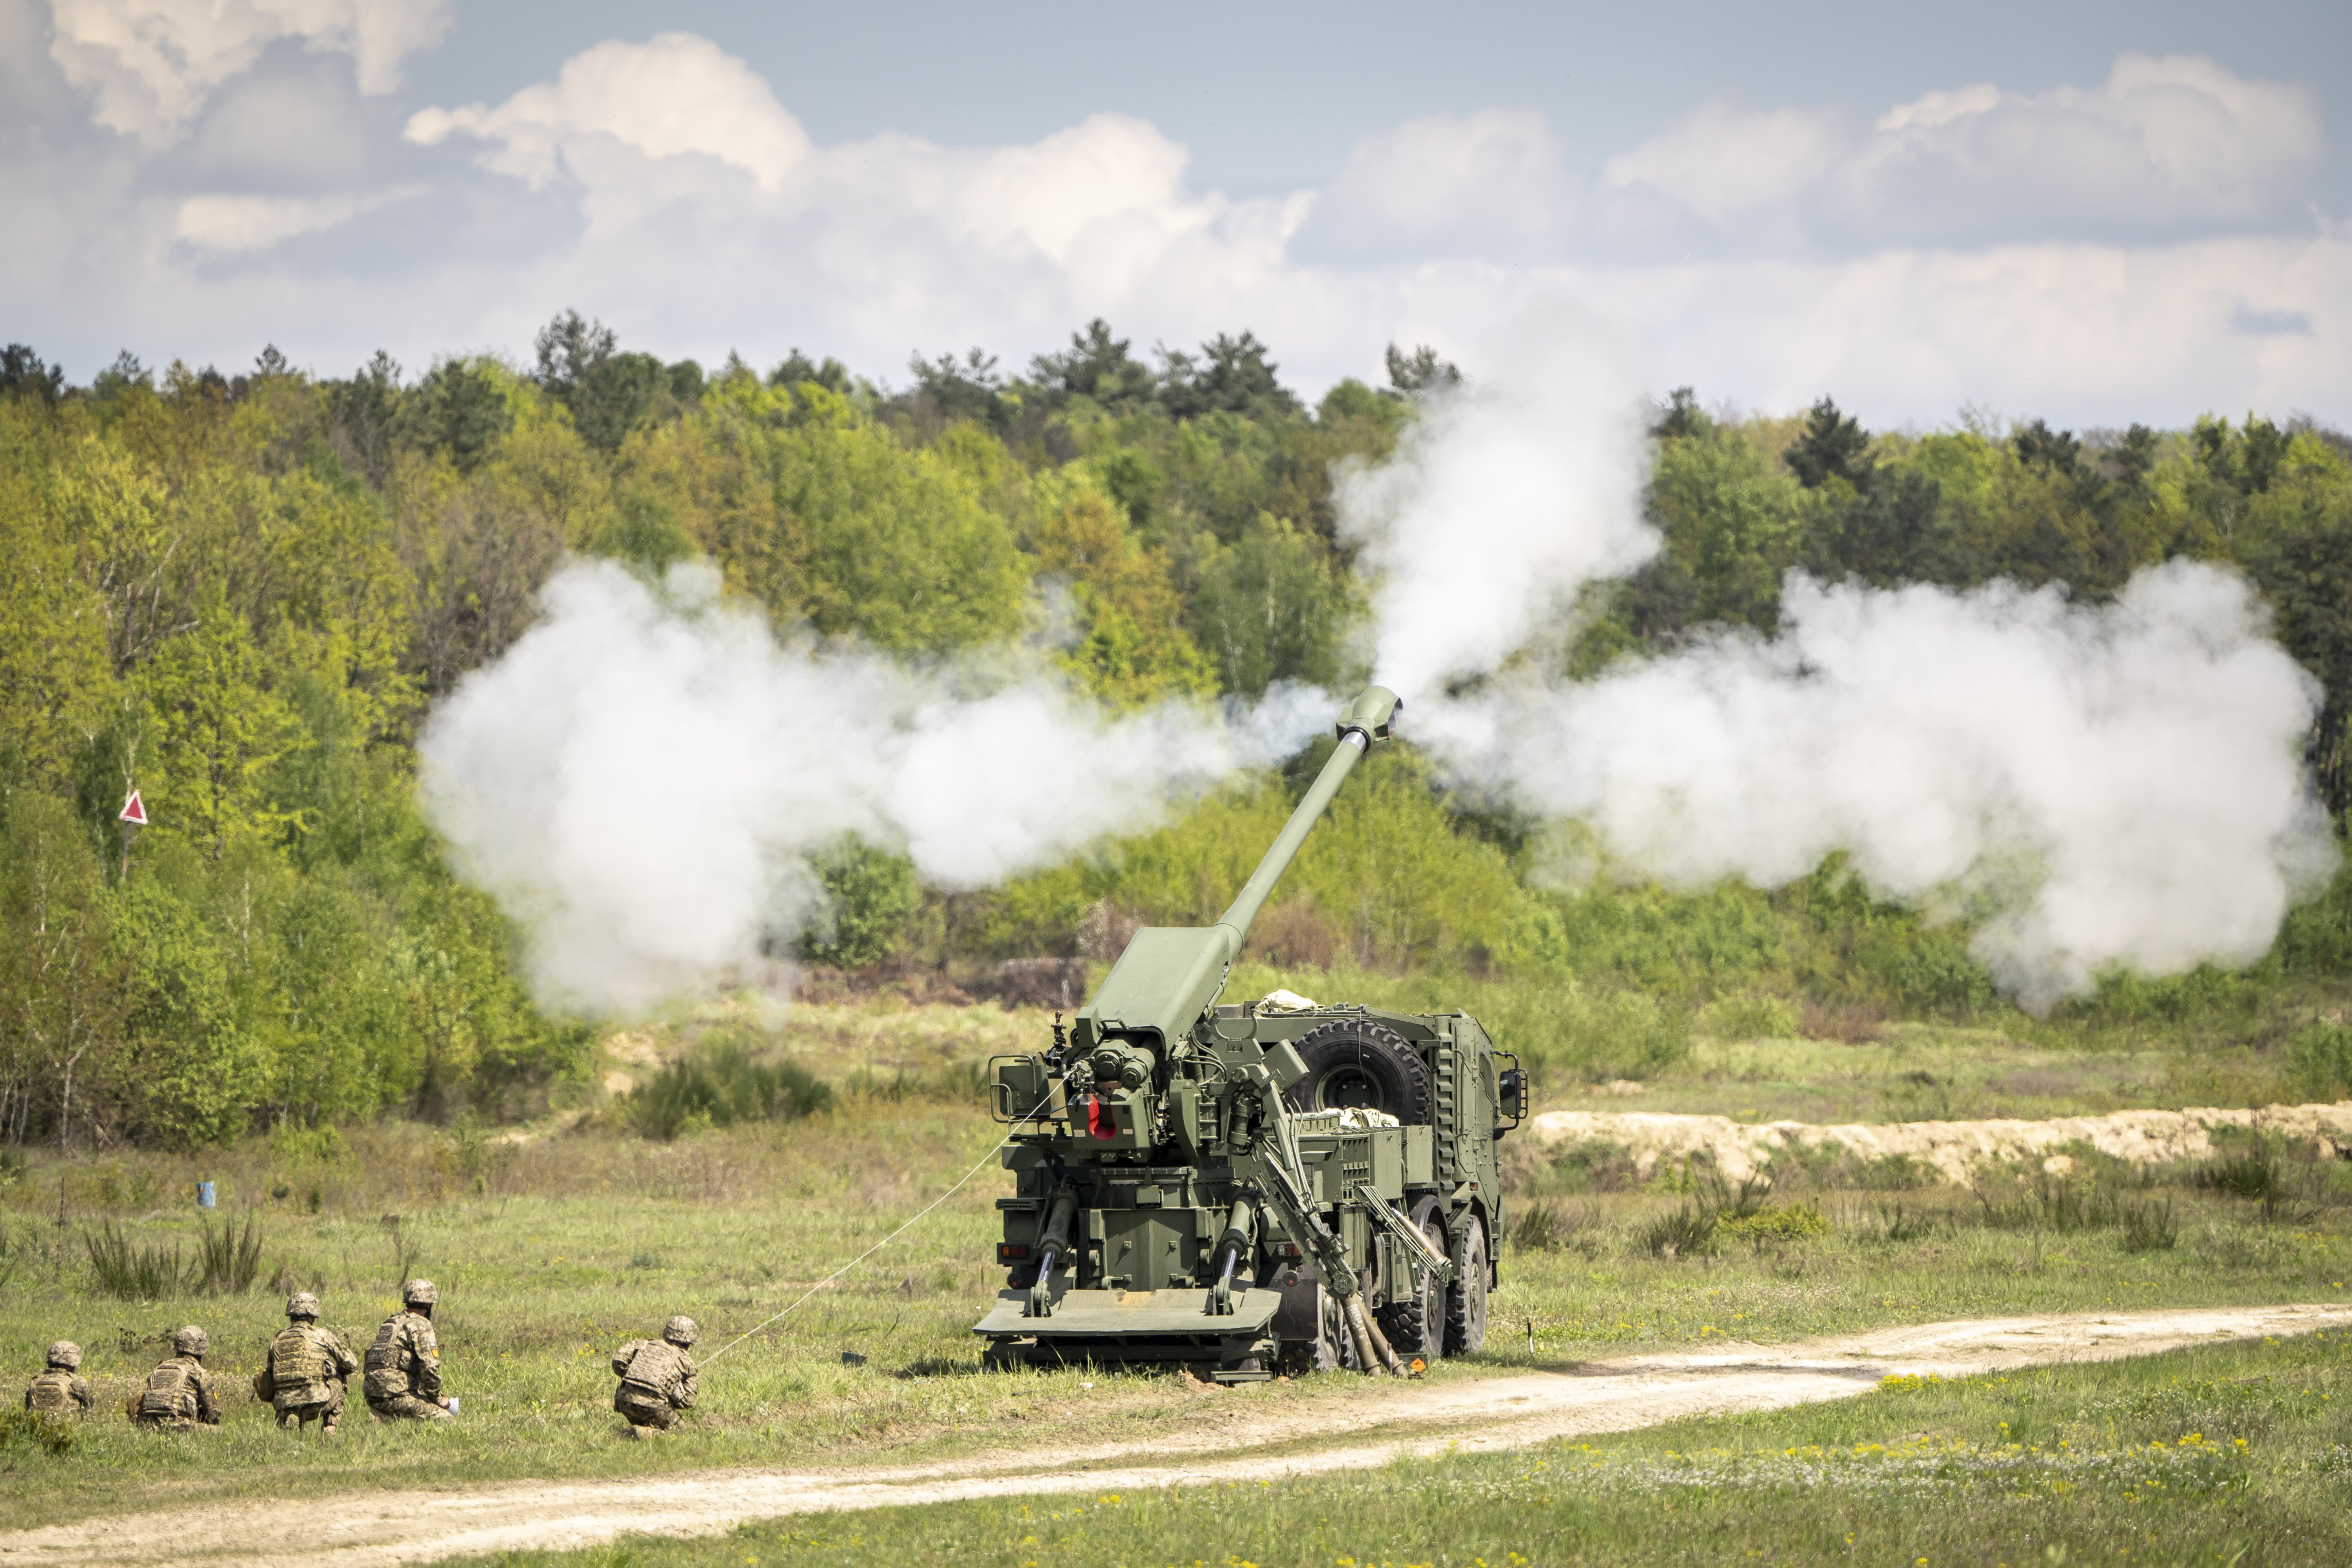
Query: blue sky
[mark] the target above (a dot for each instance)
(2094, 212)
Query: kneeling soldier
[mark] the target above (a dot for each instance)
(657, 1378)
(304, 1376)
(179, 1394)
(60, 1391)
(404, 1364)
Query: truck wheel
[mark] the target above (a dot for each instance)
(1416, 1326)
(1355, 1063)
(1465, 1297)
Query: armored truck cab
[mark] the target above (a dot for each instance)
(1243, 1188)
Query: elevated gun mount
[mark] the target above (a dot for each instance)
(1254, 1187)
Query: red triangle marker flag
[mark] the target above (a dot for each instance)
(133, 812)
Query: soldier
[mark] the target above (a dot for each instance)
(657, 1378)
(404, 1364)
(60, 1391)
(179, 1396)
(303, 1377)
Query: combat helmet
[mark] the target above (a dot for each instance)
(419, 1293)
(65, 1353)
(680, 1331)
(191, 1341)
(302, 1304)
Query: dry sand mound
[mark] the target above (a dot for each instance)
(1952, 1149)
(1233, 1437)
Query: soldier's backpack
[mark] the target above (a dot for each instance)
(51, 1392)
(169, 1395)
(655, 1366)
(298, 1367)
(389, 1359)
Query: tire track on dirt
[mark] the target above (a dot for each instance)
(1481, 1415)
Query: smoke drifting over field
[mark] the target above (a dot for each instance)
(641, 779)
(2117, 785)
(1507, 495)
(2105, 787)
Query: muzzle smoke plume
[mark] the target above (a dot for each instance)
(2107, 787)
(641, 779)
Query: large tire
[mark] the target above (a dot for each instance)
(1356, 1062)
(1465, 1297)
(1416, 1326)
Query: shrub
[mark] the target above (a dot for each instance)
(2149, 1227)
(121, 1269)
(1753, 1016)
(36, 1427)
(1687, 1232)
(1545, 1226)
(721, 1087)
(2319, 1062)
(227, 1261)
(1782, 1222)
(869, 893)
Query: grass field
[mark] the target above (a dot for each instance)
(2238, 1455)
(550, 1248)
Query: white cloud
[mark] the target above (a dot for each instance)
(2164, 146)
(150, 64)
(662, 186)
(675, 97)
(1458, 183)
(1723, 160)
(678, 127)
(233, 224)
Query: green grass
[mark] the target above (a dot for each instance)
(552, 1245)
(2224, 1454)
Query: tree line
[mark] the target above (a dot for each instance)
(244, 593)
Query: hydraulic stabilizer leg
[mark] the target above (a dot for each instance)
(1060, 1217)
(1241, 1230)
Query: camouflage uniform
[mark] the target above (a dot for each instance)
(657, 1378)
(304, 1376)
(60, 1391)
(404, 1364)
(179, 1396)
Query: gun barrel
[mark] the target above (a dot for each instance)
(1370, 716)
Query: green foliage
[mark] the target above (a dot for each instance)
(239, 594)
(719, 1087)
(37, 1428)
(2320, 1062)
(869, 893)
(128, 1271)
(1270, 607)
(227, 1260)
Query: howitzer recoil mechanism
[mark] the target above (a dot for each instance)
(1240, 1187)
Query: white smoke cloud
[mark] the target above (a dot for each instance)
(2117, 785)
(640, 780)
(2100, 786)
(1505, 496)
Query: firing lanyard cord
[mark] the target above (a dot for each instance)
(870, 1252)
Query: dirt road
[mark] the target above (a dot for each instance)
(1483, 1414)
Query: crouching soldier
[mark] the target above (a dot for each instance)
(404, 1364)
(60, 1391)
(179, 1396)
(657, 1378)
(303, 1378)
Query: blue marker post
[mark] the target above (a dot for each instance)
(203, 1194)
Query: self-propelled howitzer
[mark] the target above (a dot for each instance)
(1243, 1188)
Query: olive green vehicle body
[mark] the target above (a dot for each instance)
(1198, 1175)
